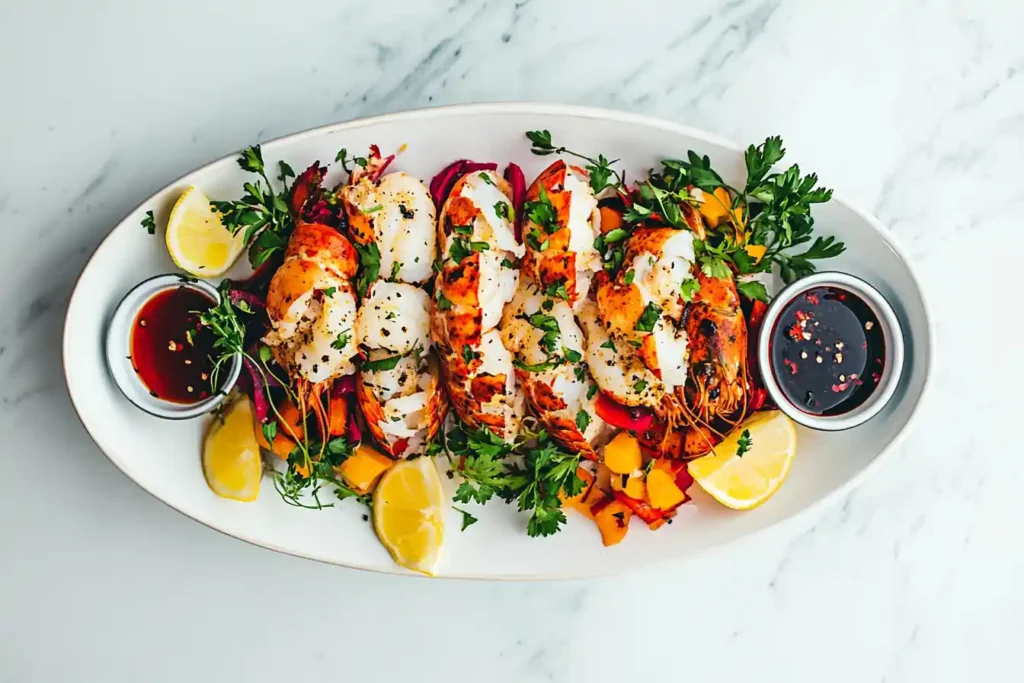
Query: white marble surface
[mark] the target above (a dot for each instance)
(913, 108)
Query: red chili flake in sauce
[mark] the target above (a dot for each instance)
(836, 388)
(813, 299)
(791, 365)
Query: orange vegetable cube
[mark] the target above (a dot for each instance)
(632, 486)
(622, 454)
(662, 491)
(755, 251)
(610, 219)
(613, 522)
(363, 468)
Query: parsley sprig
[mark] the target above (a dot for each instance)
(529, 472)
(774, 209)
(602, 175)
(261, 212)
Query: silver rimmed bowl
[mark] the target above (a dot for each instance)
(119, 340)
(892, 335)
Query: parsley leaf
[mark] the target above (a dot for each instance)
(468, 520)
(382, 364)
(753, 289)
(582, 420)
(649, 318)
(149, 223)
(689, 289)
(714, 266)
(744, 444)
(369, 259)
(342, 341)
(443, 302)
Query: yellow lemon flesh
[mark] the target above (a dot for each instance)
(408, 514)
(196, 238)
(745, 481)
(231, 456)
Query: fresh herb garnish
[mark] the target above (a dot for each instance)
(459, 249)
(753, 289)
(149, 223)
(468, 520)
(443, 302)
(649, 318)
(582, 420)
(639, 385)
(556, 290)
(343, 159)
(504, 210)
(689, 289)
(489, 467)
(261, 213)
(382, 364)
(541, 213)
(369, 259)
(600, 169)
(468, 354)
(744, 444)
(341, 341)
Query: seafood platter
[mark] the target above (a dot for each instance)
(501, 341)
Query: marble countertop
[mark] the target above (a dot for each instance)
(912, 108)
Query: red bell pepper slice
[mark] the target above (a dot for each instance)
(640, 508)
(617, 415)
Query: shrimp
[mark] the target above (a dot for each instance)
(550, 348)
(478, 276)
(716, 398)
(398, 387)
(395, 213)
(562, 251)
(311, 305)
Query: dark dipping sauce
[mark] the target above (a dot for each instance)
(827, 351)
(170, 349)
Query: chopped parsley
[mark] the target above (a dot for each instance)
(744, 444)
(389, 363)
(149, 223)
(649, 318)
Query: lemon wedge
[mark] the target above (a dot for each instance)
(231, 456)
(745, 481)
(408, 514)
(196, 238)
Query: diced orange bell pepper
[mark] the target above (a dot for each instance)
(337, 409)
(290, 421)
(613, 521)
(756, 251)
(610, 219)
(363, 468)
(622, 454)
(633, 487)
(662, 491)
(595, 497)
(715, 207)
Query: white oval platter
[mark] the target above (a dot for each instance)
(163, 456)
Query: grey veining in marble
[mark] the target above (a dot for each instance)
(913, 108)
